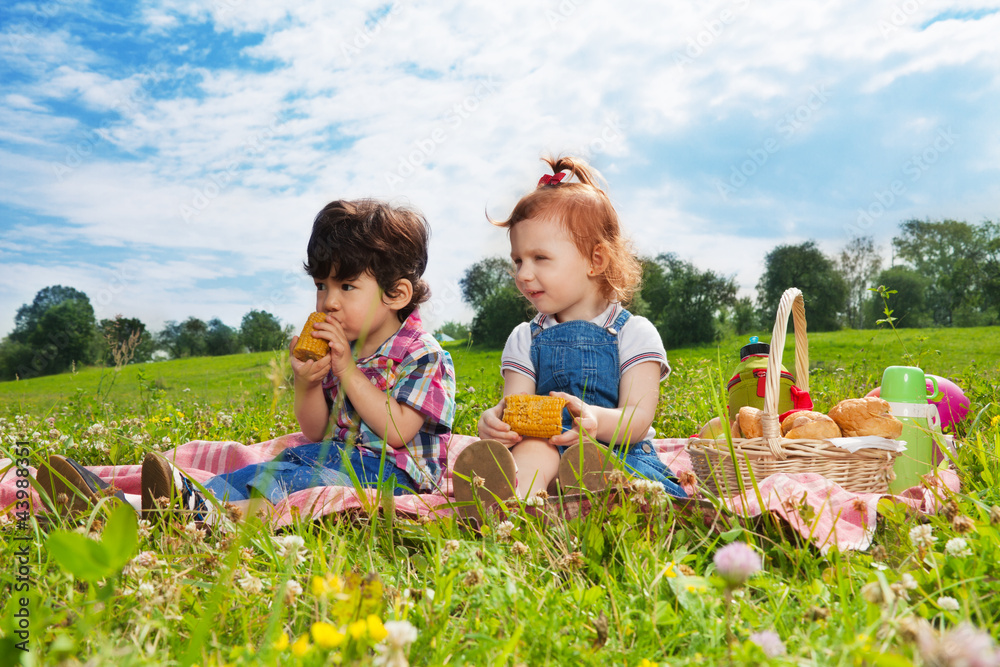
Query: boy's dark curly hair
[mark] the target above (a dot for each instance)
(350, 238)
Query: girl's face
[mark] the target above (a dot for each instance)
(551, 272)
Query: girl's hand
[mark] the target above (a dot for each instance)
(493, 427)
(582, 414)
(309, 372)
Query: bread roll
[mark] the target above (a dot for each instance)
(866, 416)
(809, 424)
(750, 422)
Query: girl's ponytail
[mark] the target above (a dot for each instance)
(584, 173)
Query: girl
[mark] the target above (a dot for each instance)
(572, 263)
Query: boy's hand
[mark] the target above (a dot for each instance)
(493, 427)
(582, 414)
(310, 372)
(341, 359)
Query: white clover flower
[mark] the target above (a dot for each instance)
(922, 536)
(251, 584)
(401, 633)
(736, 562)
(769, 642)
(957, 547)
(146, 590)
(293, 590)
(534, 501)
(291, 547)
(948, 603)
(504, 529)
(146, 559)
(392, 650)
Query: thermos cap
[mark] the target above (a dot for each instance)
(754, 348)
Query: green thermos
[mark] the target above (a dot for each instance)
(746, 387)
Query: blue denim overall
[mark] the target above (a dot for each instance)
(581, 358)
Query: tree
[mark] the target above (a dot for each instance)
(806, 267)
(54, 332)
(952, 256)
(683, 302)
(187, 339)
(485, 278)
(28, 315)
(488, 286)
(990, 287)
(497, 316)
(168, 339)
(221, 339)
(261, 331)
(456, 330)
(908, 304)
(859, 263)
(126, 340)
(743, 316)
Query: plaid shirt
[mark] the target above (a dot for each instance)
(413, 368)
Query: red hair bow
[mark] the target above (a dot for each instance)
(551, 179)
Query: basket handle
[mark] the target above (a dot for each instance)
(791, 302)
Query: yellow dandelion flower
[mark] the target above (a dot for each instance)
(180, 415)
(669, 573)
(281, 643)
(357, 629)
(301, 646)
(646, 663)
(376, 630)
(325, 635)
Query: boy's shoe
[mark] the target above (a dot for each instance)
(484, 475)
(160, 480)
(585, 466)
(70, 486)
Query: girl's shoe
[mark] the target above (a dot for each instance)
(484, 475)
(585, 465)
(70, 486)
(163, 484)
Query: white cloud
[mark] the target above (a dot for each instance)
(449, 106)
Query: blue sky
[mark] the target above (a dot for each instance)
(167, 157)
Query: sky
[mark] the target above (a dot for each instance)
(167, 157)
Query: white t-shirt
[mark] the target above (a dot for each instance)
(638, 342)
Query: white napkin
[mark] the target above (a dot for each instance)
(869, 442)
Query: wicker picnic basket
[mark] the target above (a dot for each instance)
(864, 471)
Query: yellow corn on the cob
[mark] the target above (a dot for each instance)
(534, 416)
(308, 347)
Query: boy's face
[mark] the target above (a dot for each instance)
(357, 305)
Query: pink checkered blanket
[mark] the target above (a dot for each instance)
(818, 509)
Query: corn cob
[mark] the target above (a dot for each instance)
(534, 416)
(308, 347)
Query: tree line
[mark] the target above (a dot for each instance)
(58, 330)
(943, 273)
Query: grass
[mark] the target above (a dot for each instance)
(631, 585)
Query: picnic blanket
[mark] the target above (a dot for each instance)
(818, 509)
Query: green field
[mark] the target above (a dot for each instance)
(623, 586)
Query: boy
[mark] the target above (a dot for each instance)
(385, 381)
